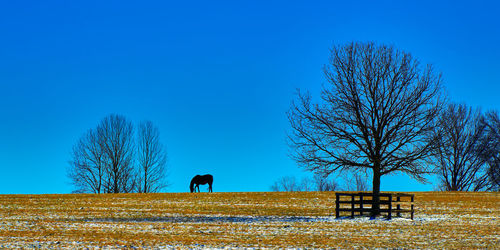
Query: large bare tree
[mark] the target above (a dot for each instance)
(151, 159)
(117, 142)
(461, 149)
(377, 112)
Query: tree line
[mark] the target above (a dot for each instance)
(112, 158)
(381, 112)
(348, 182)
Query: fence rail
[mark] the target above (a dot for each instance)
(392, 203)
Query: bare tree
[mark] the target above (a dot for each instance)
(103, 160)
(87, 167)
(306, 184)
(117, 142)
(317, 183)
(460, 149)
(286, 184)
(275, 187)
(360, 183)
(323, 183)
(377, 112)
(494, 176)
(492, 154)
(151, 159)
(356, 182)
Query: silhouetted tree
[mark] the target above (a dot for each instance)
(104, 159)
(494, 175)
(323, 183)
(462, 149)
(286, 184)
(492, 153)
(117, 143)
(377, 112)
(306, 184)
(317, 183)
(151, 159)
(356, 182)
(88, 164)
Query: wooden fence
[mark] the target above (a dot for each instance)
(361, 204)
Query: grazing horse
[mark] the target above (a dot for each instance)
(201, 180)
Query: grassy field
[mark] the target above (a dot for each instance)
(268, 220)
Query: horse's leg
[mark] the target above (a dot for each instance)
(198, 186)
(210, 187)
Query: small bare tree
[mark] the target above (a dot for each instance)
(317, 183)
(151, 158)
(117, 142)
(460, 149)
(378, 112)
(286, 184)
(323, 183)
(88, 164)
(356, 182)
(306, 184)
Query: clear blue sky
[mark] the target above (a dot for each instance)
(216, 77)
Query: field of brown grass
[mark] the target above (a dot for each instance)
(223, 220)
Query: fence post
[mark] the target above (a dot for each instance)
(361, 204)
(352, 206)
(412, 196)
(398, 199)
(389, 214)
(337, 205)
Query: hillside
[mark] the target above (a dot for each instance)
(299, 219)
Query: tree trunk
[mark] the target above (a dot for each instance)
(376, 192)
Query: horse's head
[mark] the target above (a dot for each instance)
(191, 187)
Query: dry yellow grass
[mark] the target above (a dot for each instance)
(268, 220)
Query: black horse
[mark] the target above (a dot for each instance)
(201, 180)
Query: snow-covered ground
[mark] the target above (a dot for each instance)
(263, 220)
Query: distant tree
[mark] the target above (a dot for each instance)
(492, 153)
(286, 184)
(88, 164)
(494, 175)
(377, 112)
(317, 183)
(323, 183)
(104, 159)
(356, 182)
(306, 184)
(462, 149)
(275, 187)
(151, 159)
(117, 142)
